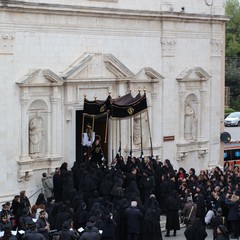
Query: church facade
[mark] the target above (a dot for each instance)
(56, 53)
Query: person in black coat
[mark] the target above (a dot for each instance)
(109, 228)
(57, 185)
(7, 235)
(43, 226)
(24, 219)
(173, 206)
(80, 217)
(151, 225)
(134, 221)
(222, 233)
(24, 201)
(15, 208)
(33, 234)
(66, 233)
(90, 232)
(41, 200)
(217, 220)
(201, 205)
(106, 187)
(121, 207)
(232, 202)
(195, 231)
(97, 153)
(62, 216)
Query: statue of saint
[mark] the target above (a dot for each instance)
(136, 131)
(35, 133)
(190, 123)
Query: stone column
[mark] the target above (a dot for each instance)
(54, 124)
(202, 125)
(181, 115)
(24, 128)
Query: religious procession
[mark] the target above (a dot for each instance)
(126, 201)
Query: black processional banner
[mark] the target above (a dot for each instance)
(122, 107)
(97, 107)
(128, 105)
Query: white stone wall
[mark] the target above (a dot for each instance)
(53, 37)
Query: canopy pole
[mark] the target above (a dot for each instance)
(106, 129)
(93, 119)
(83, 124)
(150, 136)
(141, 135)
(130, 137)
(112, 128)
(120, 138)
(81, 147)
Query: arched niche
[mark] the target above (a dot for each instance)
(193, 96)
(41, 97)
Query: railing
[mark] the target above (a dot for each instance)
(39, 190)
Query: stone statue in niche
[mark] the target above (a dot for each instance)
(190, 123)
(140, 128)
(35, 134)
(137, 131)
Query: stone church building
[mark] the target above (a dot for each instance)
(55, 53)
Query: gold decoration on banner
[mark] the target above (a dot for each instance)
(103, 108)
(130, 111)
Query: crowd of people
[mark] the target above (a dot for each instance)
(125, 201)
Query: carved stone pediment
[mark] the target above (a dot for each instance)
(41, 77)
(193, 74)
(148, 73)
(97, 66)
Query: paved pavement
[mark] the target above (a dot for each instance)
(180, 235)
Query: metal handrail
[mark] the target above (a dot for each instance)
(35, 193)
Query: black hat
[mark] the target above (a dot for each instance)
(29, 222)
(219, 211)
(92, 219)
(89, 224)
(33, 225)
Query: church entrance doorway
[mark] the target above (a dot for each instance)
(98, 126)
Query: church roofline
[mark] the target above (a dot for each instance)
(21, 6)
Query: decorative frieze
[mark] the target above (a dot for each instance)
(7, 41)
(216, 47)
(168, 47)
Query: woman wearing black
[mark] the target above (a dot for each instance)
(195, 231)
(173, 205)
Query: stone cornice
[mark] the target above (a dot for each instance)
(43, 8)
